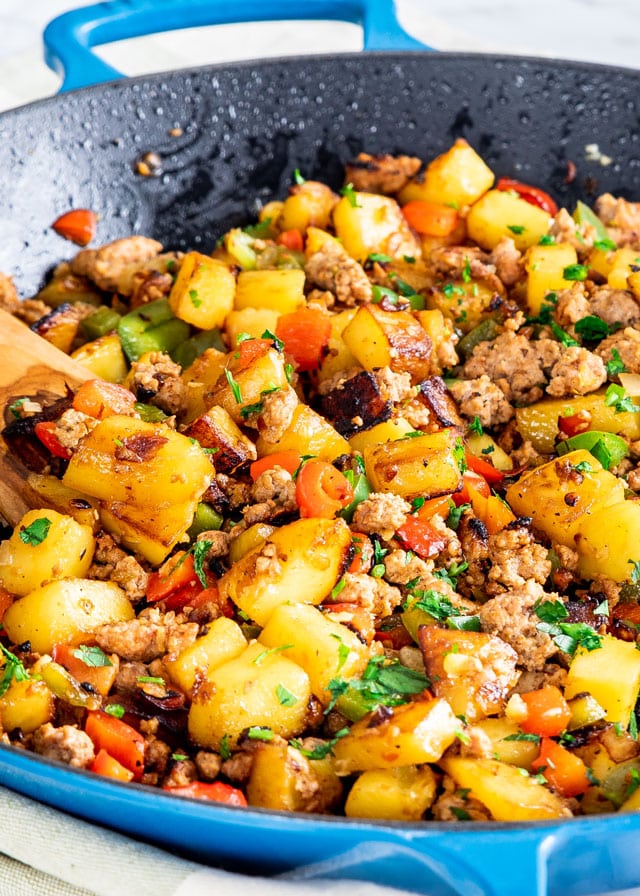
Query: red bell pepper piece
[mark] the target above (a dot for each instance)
(305, 334)
(478, 483)
(291, 239)
(106, 765)
(175, 574)
(548, 713)
(363, 556)
(430, 218)
(119, 740)
(78, 225)
(565, 771)
(217, 792)
(532, 195)
(289, 460)
(484, 468)
(574, 424)
(321, 490)
(421, 537)
(45, 430)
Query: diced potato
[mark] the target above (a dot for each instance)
(458, 177)
(389, 431)
(412, 734)
(104, 358)
(26, 705)
(217, 431)
(282, 778)
(203, 291)
(473, 671)
(222, 642)
(507, 743)
(45, 545)
(397, 794)
(308, 433)
(500, 214)
(538, 423)
(486, 448)
(150, 477)
(51, 492)
(440, 330)
(236, 390)
(394, 339)
(325, 649)
(545, 272)
(339, 357)
(425, 465)
(259, 688)
(504, 790)
(59, 327)
(541, 494)
(279, 290)
(316, 238)
(369, 222)
(585, 710)
(607, 541)
(622, 262)
(300, 562)
(254, 321)
(199, 379)
(464, 305)
(64, 612)
(308, 205)
(611, 674)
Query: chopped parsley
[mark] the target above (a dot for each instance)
(378, 293)
(380, 258)
(592, 327)
(225, 749)
(561, 335)
(616, 397)
(460, 814)
(451, 573)
(385, 682)
(343, 651)
(285, 697)
(250, 409)
(115, 709)
(455, 514)
(15, 406)
(278, 344)
(350, 194)
(13, 670)
(533, 738)
(268, 652)
(466, 271)
(605, 245)
(151, 679)
(460, 455)
(320, 751)
(476, 426)
(36, 532)
(258, 732)
(92, 656)
(235, 386)
(440, 607)
(567, 636)
(196, 301)
(516, 228)
(298, 178)
(450, 290)
(575, 272)
(547, 239)
(635, 571)
(338, 588)
(616, 364)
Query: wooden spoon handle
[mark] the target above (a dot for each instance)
(29, 366)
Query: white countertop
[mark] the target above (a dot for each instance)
(592, 30)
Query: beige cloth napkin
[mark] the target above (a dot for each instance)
(44, 852)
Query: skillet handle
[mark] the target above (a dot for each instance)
(68, 39)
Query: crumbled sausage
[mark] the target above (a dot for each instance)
(158, 380)
(219, 542)
(181, 773)
(72, 426)
(112, 266)
(456, 804)
(515, 363)
(394, 386)
(510, 615)
(482, 399)
(66, 744)
(146, 638)
(208, 765)
(332, 268)
(577, 372)
(274, 492)
(508, 261)
(381, 513)
(621, 217)
(370, 593)
(111, 562)
(627, 343)
(614, 306)
(572, 305)
(565, 230)
(515, 558)
(149, 286)
(381, 173)
(276, 413)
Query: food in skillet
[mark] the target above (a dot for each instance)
(346, 522)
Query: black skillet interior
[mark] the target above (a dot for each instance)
(243, 129)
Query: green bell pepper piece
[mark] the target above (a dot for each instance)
(151, 328)
(102, 321)
(187, 352)
(606, 447)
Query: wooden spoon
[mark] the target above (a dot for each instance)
(29, 366)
